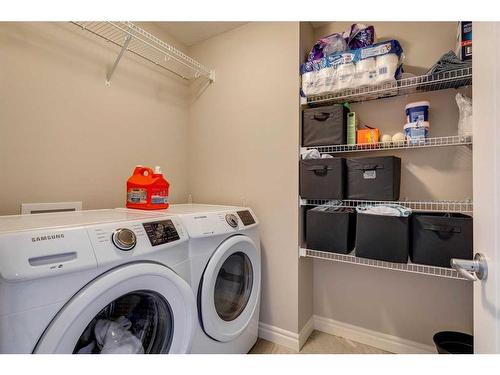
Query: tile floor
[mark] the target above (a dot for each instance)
(318, 343)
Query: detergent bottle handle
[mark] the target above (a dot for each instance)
(141, 170)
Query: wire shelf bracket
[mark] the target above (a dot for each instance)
(465, 206)
(452, 79)
(131, 38)
(421, 269)
(453, 140)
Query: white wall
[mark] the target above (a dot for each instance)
(410, 306)
(244, 136)
(65, 136)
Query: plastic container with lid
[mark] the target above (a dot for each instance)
(417, 111)
(416, 131)
(147, 189)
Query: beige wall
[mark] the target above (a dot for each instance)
(65, 136)
(409, 306)
(244, 147)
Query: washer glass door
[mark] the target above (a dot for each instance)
(136, 323)
(233, 286)
(135, 308)
(230, 288)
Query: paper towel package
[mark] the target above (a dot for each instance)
(363, 67)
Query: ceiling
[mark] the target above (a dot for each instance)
(190, 33)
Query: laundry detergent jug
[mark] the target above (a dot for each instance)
(147, 189)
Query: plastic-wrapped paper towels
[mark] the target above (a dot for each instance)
(362, 67)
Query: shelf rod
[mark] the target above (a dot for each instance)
(118, 58)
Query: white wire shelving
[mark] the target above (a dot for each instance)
(465, 206)
(454, 140)
(404, 267)
(452, 79)
(131, 38)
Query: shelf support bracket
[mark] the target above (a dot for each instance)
(118, 58)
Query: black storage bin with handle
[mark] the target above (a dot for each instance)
(438, 237)
(374, 178)
(322, 178)
(331, 229)
(382, 237)
(324, 126)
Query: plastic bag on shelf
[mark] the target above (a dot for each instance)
(360, 36)
(465, 114)
(330, 44)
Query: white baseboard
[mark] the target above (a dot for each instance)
(376, 339)
(279, 336)
(379, 340)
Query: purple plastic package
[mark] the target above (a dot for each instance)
(328, 45)
(361, 36)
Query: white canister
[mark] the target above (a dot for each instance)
(416, 132)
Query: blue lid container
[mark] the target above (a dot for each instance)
(417, 111)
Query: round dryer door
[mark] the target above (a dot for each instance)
(133, 309)
(230, 288)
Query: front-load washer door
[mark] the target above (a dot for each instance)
(230, 288)
(134, 308)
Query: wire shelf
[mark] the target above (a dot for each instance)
(136, 40)
(465, 206)
(454, 140)
(452, 79)
(404, 267)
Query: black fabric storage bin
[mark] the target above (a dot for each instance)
(438, 237)
(332, 230)
(324, 126)
(374, 178)
(382, 237)
(322, 178)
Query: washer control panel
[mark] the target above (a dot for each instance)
(232, 220)
(124, 239)
(161, 232)
(246, 217)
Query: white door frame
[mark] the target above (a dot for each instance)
(486, 185)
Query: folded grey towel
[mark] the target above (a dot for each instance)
(449, 61)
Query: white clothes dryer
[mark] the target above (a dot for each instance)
(224, 247)
(100, 281)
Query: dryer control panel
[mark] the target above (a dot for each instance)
(161, 232)
(216, 223)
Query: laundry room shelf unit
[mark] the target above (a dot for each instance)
(131, 38)
(454, 140)
(464, 206)
(452, 79)
(404, 267)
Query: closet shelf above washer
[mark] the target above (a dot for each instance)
(452, 79)
(464, 206)
(453, 140)
(131, 38)
(404, 267)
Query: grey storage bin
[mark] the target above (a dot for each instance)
(382, 237)
(374, 178)
(438, 237)
(322, 178)
(331, 229)
(324, 126)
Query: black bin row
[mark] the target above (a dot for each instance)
(428, 238)
(372, 178)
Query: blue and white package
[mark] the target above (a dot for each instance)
(376, 64)
(417, 111)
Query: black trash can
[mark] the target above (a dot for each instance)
(382, 237)
(331, 229)
(438, 237)
(322, 178)
(324, 126)
(449, 342)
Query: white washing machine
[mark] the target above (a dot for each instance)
(102, 281)
(224, 247)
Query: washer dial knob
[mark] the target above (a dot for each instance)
(124, 239)
(232, 220)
